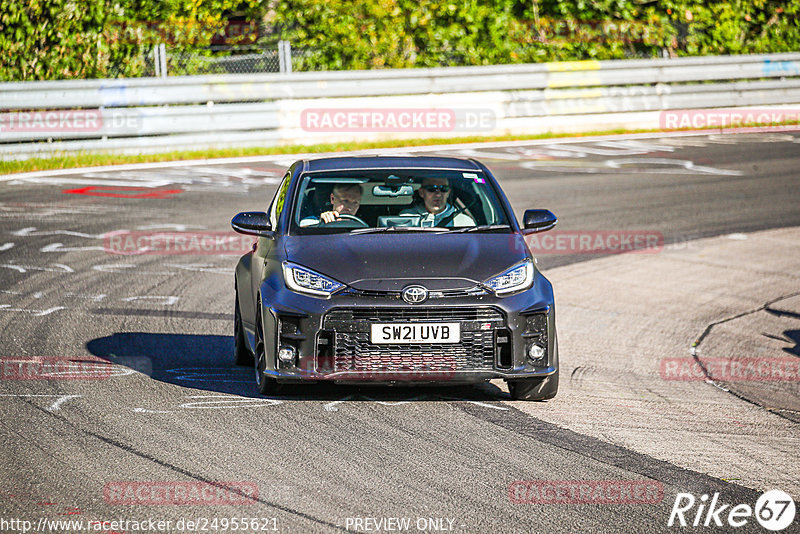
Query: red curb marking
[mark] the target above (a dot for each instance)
(101, 191)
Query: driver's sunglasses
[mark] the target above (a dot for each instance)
(435, 188)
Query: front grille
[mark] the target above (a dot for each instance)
(353, 351)
(475, 291)
(347, 317)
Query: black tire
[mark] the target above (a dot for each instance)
(241, 352)
(265, 384)
(534, 389)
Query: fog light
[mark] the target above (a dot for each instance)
(286, 354)
(535, 353)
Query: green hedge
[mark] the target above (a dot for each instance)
(62, 39)
(407, 33)
(65, 39)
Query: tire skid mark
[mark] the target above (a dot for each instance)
(185, 472)
(605, 453)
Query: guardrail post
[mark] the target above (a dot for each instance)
(160, 60)
(285, 56)
(163, 48)
(156, 61)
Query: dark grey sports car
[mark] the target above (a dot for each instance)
(388, 270)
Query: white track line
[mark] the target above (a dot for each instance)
(401, 150)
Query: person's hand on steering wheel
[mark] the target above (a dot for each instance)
(342, 218)
(329, 216)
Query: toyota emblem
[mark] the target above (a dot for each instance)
(415, 294)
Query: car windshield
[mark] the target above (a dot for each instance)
(410, 200)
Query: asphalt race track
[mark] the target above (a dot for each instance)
(156, 402)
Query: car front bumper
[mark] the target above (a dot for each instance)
(330, 337)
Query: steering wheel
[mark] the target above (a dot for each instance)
(445, 221)
(347, 220)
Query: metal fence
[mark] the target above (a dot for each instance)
(179, 112)
(182, 63)
(168, 61)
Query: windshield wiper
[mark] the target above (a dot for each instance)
(398, 229)
(484, 227)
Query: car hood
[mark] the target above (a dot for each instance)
(389, 262)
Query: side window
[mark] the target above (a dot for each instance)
(279, 200)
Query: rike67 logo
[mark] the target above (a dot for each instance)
(774, 510)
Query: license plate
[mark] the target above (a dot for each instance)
(399, 333)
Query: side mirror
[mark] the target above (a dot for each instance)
(252, 223)
(538, 221)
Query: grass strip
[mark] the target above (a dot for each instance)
(94, 159)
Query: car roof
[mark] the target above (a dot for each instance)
(389, 162)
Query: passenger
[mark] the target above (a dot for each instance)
(345, 200)
(434, 207)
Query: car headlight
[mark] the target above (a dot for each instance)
(517, 278)
(304, 280)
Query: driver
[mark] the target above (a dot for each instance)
(434, 207)
(345, 200)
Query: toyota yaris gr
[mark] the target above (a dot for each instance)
(394, 270)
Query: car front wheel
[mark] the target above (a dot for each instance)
(266, 385)
(534, 389)
(241, 352)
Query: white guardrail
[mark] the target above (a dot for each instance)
(156, 114)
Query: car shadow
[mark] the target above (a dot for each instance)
(205, 362)
(794, 336)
